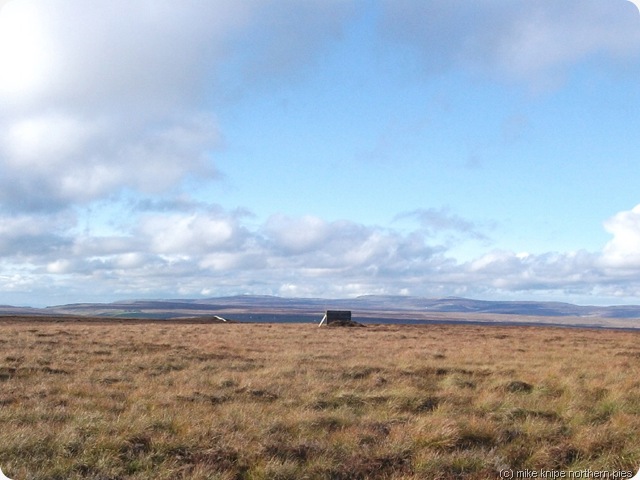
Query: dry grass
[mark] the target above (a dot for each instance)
(168, 401)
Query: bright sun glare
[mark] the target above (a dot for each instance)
(22, 56)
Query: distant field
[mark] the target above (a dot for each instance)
(159, 400)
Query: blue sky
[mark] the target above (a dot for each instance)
(319, 148)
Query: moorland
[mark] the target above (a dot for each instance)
(110, 400)
(367, 308)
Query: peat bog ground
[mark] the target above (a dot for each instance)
(163, 400)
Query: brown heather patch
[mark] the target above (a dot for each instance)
(161, 401)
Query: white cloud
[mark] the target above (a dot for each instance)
(161, 253)
(524, 40)
(297, 235)
(190, 234)
(112, 94)
(437, 221)
(623, 251)
(25, 52)
(153, 57)
(62, 266)
(45, 142)
(30, 236)
(132, 52)
(523, 272)
(215, 246)
(54, 160)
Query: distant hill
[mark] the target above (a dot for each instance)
(371, 308)
(11, 310)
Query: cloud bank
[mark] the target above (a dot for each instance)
(206, 250)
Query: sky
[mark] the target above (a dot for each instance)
(319, 148)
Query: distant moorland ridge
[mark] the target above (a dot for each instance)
(369, 308)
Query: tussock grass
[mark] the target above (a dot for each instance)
(175, 401)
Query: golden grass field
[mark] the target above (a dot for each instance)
(109, 401)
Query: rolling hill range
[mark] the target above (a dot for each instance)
(368, 309)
